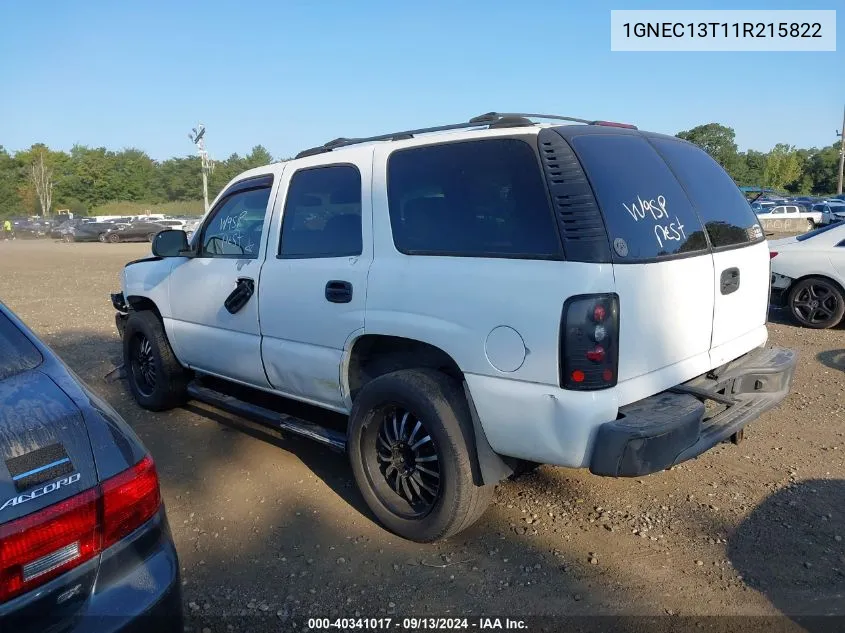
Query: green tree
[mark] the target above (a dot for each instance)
(717, 140)
(783, 167)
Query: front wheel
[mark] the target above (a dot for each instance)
(410, 456)
(816, 303)
(114, 238)
(156, 379)
(151, 237)
(67, 237)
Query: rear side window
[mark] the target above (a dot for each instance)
(17, 354)
(477, 198)
(720, 205)
(322, 215)
(647, 213)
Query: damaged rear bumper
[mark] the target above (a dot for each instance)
(676, 425)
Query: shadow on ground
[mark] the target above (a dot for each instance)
(791, 548)
(834, 358)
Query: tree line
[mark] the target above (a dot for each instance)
(86, 177)
(39, 179)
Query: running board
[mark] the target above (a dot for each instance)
(329, 437)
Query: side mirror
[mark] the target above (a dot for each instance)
(170, 243)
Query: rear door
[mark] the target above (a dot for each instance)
(740, 254)
(314, 286)
(661, 261)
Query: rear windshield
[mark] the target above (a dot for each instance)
(481, 198)
(17, 353)
(647, 213)
(724, 211)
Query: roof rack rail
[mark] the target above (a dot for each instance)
(489, 119)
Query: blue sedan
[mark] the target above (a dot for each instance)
(84, 539)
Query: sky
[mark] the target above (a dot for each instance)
(290, 75)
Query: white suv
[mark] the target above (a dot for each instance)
(474, 297)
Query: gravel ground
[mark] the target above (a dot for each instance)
(272, 526)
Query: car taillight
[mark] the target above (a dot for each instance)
(40, 546)
(773, 254)
(589, 342)
(129, 500)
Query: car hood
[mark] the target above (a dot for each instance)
(45, 451)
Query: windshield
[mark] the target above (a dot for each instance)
(17, 353)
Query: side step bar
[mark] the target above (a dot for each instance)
(329, 437)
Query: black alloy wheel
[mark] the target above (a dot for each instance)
(816, 303)
(403, 462)
(143, 364)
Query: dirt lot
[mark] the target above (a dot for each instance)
(272, 525)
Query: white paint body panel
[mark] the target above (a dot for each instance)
(303, 333)
(669, 332)
(818, 255)
(743, 312)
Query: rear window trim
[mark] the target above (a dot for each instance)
(559, 256)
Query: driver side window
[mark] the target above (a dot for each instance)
(234, 228)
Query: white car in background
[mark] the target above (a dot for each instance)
(776, 217)
(808, 275)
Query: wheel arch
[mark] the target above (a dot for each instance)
(369, 355)
(140, 303)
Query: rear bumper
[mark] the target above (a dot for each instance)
(133, 587)
(673, 426)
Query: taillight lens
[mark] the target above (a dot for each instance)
(40, 546)
(129, 499)
(589, 342)
(773, 254)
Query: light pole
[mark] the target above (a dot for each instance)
(841, 134)
(197, 136)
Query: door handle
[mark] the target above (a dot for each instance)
(729, 281)
(338, 291)
(239, 297)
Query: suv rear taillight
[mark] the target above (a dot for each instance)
(40, 546)
(589, 342)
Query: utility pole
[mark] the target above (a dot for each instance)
(841, 134)
(197, 136)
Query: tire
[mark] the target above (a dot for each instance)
(101, 237)
(816, 302)
(151, 237)
(156, 379)
(67, 237)
(437, 403)
(810, 225)
(114, 238)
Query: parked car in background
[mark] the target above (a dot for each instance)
(172, 223)
(831, 212)
(89, 232)
(808, 275)
(58, 230)
(84, 538)
(30, 230)
(792, 213)
(191, 227)
(134, 232)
